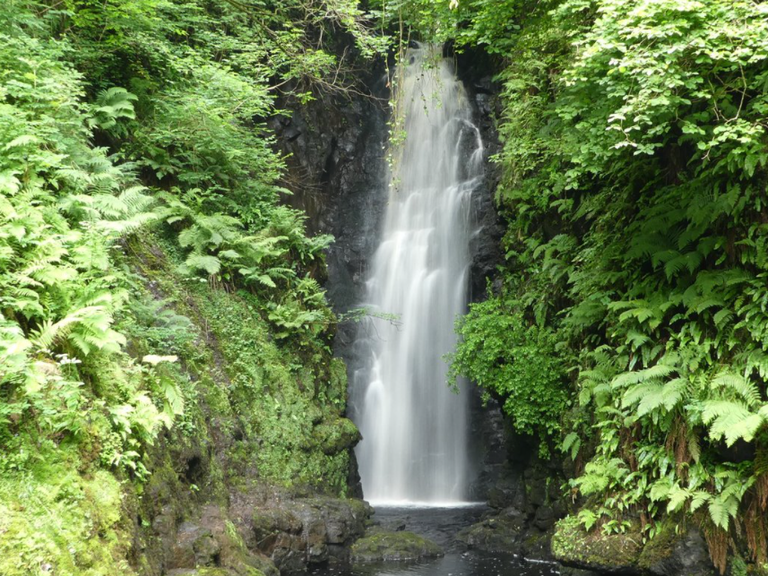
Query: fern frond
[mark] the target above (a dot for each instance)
(48, 332)
(650, 396)
(745, 388)
(638, 376)
(730, 420)
(210, 264)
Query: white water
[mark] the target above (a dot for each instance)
(414, 447)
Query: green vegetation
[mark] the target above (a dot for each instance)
(515, 361)
(152, 285)
(50, 514)
(598, 550)
(633, 177)
(383, 546)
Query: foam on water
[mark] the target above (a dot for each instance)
(415, 504)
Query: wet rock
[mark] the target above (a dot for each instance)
(487, 446)
(385, 546)
(672, 554)
(207, 550)
(208, 546)
(608, 554)
(345, 520)
(536, 486)
(508, 492)
(500, 533)
(544, 518)
(537, 545)
(277, 533)
(297, 532)
(183, 553)
(568, 571)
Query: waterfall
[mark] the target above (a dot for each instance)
(414, 447)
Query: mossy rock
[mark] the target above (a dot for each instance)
(496, 534)
(335, 436)
(661, 546)
(384, 546)
(608, 553)
(214, 572)
(54, 517)
(676, 549)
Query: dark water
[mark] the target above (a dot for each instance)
(441, 525)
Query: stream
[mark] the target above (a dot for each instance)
(441, 525)
(414, 457)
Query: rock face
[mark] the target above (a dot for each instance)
(525, 501)
(249, 529)
(673, 554)
(385, 546)
(209, 545)
(295, 533)
(476, 70)
(337, 175)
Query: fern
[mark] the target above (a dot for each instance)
(641, 376)
(111, 106)
(210, 264)
(744, 388)
(571, 444)
(730, 420)
(650, 397)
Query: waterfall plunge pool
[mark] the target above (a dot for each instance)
(441, 526)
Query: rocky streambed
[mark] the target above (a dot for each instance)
(430, 542)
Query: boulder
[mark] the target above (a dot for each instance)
(297, 532)
(211, 546)
(495, 534)
(385, 546)
(674, 552)
(604, 553)
(509, 491)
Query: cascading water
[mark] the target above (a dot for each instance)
(414, 428)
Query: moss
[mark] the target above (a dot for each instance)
(594, 550)
(383, 546)
(52, 517)
(661, 545)
(255, 408)
(336, 436)
(281, 399)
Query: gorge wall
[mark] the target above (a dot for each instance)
(172, 395)
(337, 148)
